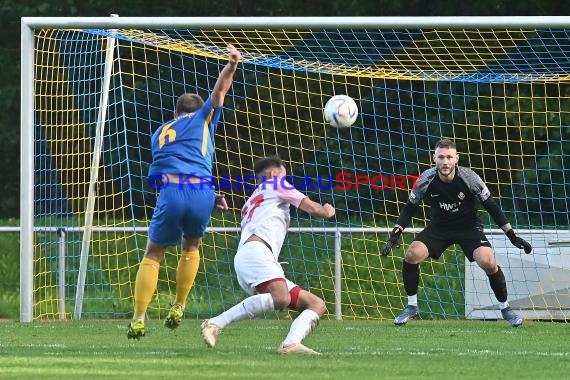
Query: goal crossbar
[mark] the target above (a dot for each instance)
(450, 22)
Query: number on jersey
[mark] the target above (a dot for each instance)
(247, 212)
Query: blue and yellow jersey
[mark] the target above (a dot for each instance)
(186, 143)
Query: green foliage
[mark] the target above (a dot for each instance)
(371, 287)
(10, 270)
(9, 305)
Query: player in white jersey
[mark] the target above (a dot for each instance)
(265, 220)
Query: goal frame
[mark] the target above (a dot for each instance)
(30, 24)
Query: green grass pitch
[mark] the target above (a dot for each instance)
(90, 349)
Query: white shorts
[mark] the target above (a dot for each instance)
(255, 264)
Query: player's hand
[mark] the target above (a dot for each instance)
(393, 241)
(221, 202)
(329, 209)
(233, 54)
(519, 242)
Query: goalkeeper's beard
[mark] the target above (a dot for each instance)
(450, 174)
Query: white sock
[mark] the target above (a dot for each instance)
(502, 305)
(248, 308)
(302, 326)
(413, 300)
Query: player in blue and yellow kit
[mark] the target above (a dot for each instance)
(182, 155)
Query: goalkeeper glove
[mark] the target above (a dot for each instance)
(518, 242)
(394, 240)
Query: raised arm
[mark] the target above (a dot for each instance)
(225, 78)
(316, 209)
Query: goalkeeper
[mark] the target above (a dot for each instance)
(452, 192)
(182, 149)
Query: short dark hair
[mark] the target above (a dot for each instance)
(267, 162)
(445, 143)
(188, 103)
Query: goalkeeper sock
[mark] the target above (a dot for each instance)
(413, 300)
(411, 275)
(248, 308)
(145, 285)
(185, 275)
(498, 284)
(302, 326)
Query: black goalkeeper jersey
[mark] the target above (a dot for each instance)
(454, 204)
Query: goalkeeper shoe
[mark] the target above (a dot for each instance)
(210, 332)
(295, 349)
(410, 311)
(136, 329)
(509, 315)
(174, 317)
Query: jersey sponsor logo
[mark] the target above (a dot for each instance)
(450, 207)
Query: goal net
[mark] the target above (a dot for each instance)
(93, 95)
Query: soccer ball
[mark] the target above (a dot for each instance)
(341, 111)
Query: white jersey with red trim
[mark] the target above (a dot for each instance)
(266, 213)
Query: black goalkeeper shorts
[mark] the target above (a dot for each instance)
(437, 239)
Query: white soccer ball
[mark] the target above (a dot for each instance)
(341, 111)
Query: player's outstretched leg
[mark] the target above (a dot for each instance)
(174, 317)
(135, 329)
(509, 315)
(248, 308)
(210, 332)
(410, 311)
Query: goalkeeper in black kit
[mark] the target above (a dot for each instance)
(453, 193)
